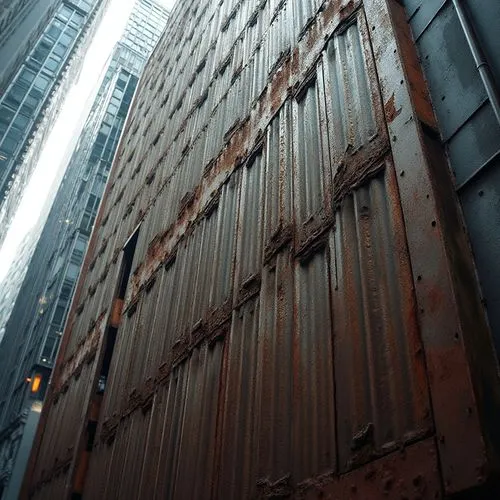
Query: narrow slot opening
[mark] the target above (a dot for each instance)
(110, 341)
(128, 258)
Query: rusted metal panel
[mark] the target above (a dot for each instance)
(312, 179)
(239, 438)
(433, 234)
(196, 464)
(381, 388)
(51, 472)
(250, 226)
(411, 472)
(281, 334)
(275, 375)
(278, 207)
(314, 441)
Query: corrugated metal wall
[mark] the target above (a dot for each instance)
(270, 341)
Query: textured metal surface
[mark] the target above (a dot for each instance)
(455, 336)
(380, 372)
(468, 126)
(273, 340)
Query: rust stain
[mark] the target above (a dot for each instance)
(390, 110)
(413, 69)
(85, 352)
(409, 473)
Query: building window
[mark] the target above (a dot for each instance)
(26, 77)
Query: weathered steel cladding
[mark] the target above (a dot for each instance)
(378, 355)
(55, 459)
(270, 342)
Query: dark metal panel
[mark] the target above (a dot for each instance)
(146, 368)
(275, 376)
(476, 142)
(278, 207)
(421, 13)
(116, 462)
(239, 439)
(481, 204)
(468, 125)
(250, 222)
(313, 441)
(484, 17)
(222, 278)
(164, 327)
(352, 120)
(207, 260)
(98, 470)
(357, 131)
(133, 459)
(453, 329)
(196, 465)
(381, 387)
(152, 445)
(457, 87)
(410, 473)
(174, 402)
(311, 173)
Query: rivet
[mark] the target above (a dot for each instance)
(417, 480)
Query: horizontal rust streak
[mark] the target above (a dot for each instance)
(85, 353)
(408, 473)
(142, 397)
(241, 144)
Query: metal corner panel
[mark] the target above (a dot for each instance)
(453, 385)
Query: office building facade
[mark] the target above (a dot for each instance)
(48, 67)
(10, 285)
(33, 331)
(21, 23)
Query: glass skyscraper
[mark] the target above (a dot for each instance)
(30, 90)
(21, 23)
(33, 331)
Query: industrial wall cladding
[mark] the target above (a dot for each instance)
(279, 298)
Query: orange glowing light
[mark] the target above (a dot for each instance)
(36, 383)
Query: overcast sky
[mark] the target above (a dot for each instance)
(65, 127)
